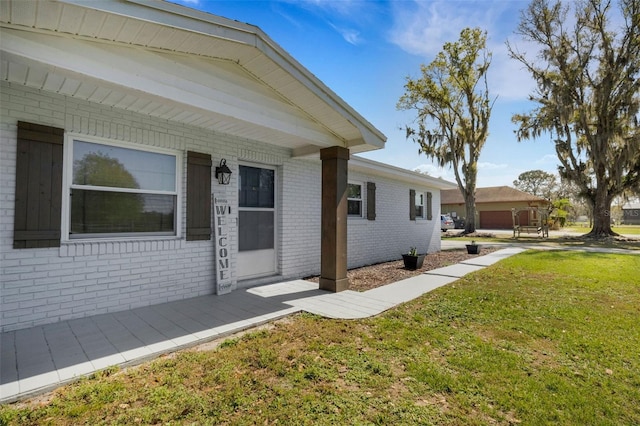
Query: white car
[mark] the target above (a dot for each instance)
(446, 223)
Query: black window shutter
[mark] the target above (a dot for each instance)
(412, 204)
(38, 199)
(198, 196)
(371, 201)
(429, 206)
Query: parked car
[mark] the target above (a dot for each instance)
(458, 222)
(446, 223)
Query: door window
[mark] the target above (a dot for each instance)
(256, 209)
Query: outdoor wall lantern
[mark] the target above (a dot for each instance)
(223, 173)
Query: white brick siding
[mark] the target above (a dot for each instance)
(391, 234)
(300, 227)
(84, 278)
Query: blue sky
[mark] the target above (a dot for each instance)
(364, 50)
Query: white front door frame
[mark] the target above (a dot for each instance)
(259, 263)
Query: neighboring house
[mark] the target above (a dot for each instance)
(631, 214)
(494, 206)
(116, 118)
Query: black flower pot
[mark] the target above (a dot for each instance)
(413, 262)
(473, 249)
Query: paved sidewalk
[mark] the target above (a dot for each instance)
(39, 359)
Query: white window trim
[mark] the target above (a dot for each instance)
(67, 179)
(361, 199)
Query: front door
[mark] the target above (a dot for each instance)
(256, 222)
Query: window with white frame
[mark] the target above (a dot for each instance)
(420, 205)
(119, 191)
(354, 199)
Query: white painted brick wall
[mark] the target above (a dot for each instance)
(83, 278)
(391, 234)
(301, 218)
(41, 286)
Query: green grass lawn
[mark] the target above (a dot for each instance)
(568, 240)
(540, 338)
(620, 229)
(627, 229)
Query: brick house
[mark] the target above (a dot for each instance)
(116, 118)
(493, 206)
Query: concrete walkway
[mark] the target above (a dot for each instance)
(39, 359)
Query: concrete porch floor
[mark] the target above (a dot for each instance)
(39, 359)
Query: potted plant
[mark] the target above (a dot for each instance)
(473, 248)
(413, 260)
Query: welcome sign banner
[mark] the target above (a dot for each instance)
(222, 210)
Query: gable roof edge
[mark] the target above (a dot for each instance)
(234, 31)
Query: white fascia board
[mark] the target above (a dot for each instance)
(174, 16)
(177, 16)
(381, 169)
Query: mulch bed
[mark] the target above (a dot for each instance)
(372, 276)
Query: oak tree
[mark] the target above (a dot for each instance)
(587, 94)
(537, 182)
(453, 107)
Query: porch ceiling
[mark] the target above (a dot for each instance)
(175, 63)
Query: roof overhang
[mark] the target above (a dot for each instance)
(367, 166)
(494, 195)
(168, 61)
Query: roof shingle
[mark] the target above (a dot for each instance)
(492, 194)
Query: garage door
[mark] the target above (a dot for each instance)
(496, 220)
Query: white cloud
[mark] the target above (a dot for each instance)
(343, 7)
(350, 35)
(422, 28)
(548, 159)
(491, 166)
(436, 171)
(507, 77)
(447, 173)
(505, 179)
(342, 16)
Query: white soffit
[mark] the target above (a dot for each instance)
(179, 64)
